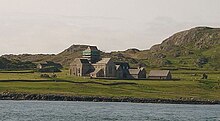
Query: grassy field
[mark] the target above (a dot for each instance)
(189, 86)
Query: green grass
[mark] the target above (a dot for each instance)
(20, 76)
(190, 86)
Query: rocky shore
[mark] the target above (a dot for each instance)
(50, 97)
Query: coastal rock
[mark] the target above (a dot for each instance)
(49, 97)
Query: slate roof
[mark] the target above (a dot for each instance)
(123, 64)
(159, 73)
(83, 60)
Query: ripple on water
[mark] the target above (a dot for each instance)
(105, 111)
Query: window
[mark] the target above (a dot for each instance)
(78, 70)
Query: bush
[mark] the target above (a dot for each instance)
(201, 61)
(44, 76)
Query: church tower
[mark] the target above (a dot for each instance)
(92, 54)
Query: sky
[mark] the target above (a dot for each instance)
(50, 26)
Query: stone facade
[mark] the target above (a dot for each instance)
(80, 67)
(107, 65)
(96, 67)
(160, 74)
(139, 73)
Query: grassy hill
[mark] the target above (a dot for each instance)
(196, 48)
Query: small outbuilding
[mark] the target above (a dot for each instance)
(139, 73)
(49, 64)
(160, 74)
(97, 73)
(122, 70)
(80, 67)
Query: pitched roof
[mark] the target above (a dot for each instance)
(122, 64)
(83, 60)
(80, 60)
(103, 61)
(97, 71)
(159, 73)
(92, 48)
(134, 71)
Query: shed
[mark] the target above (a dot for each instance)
(97, 73)
(160, 74)
(139, 73)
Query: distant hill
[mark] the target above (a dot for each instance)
(6, 64)
(195, 48)
(63, 58)
(198, 38)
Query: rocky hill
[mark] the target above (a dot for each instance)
(197, 47)
(195, 38)
(190, 49)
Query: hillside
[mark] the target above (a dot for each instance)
(64, 57)
(196, 48)
(6, 64)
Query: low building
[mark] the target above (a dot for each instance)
(139, 73)
(81, 67)
(41, 65)
(122, 70)
(107, 65)
(49, 64)
(160, 74)
(97, 73)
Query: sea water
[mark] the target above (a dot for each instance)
(104, 111)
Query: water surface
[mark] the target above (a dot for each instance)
(104, 111)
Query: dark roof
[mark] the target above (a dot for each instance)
(82, 60)
(159, 73)
(43, 64)
(51, 63)
(122, 64)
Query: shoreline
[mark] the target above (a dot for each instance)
(54, 97)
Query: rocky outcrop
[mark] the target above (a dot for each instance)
(198, 38)
(50, 97)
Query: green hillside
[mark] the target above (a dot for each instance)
(196, 48)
